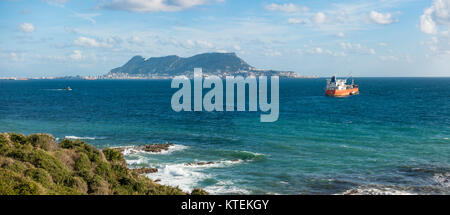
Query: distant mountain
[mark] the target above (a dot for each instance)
(220, 64)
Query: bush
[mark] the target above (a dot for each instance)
(34, 164)
(60, 174)
(113, 155)
(12, 183)
(80, 146)
(199, 192)
(5, 147)
(39, 175)
(83, 163)
(18, 138)
(43, 141)
(103, 169)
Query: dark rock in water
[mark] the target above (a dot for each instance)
(155, 148)
(203, 163)
(142, 171)
(157, 180)
(200, 163)
(152, 148)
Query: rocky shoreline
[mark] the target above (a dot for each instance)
(152, 148)
(39, 165)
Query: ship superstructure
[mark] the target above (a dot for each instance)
(340, 88)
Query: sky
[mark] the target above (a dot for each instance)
(379, 38)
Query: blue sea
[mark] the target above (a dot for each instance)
(393, 138)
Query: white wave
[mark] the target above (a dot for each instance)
(187, 177)
(377, 190)
(217, 164)
(254, 153)
(179, 175)
(442, 179)
(138, 161)
(226, 187)
(83, 138)
(129, 150)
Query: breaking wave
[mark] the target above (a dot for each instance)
(130, 150)
(378, 190)
(84, 138)
(187, 177)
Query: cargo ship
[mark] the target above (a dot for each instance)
(340, 88)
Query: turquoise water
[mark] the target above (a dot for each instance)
(393, 138)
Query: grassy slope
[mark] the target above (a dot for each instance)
(37, 165)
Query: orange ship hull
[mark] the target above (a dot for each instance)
(342, 93)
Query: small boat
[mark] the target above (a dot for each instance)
(68, 88)
(340, 88)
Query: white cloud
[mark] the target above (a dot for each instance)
(383, 44)
(27, 27)
(286, 8)
(272, 53)
(340, 34)
(88, 16)
(320, 18)
(17, 57)
(321, 51)
(440, 44)
(427, 24)
(204, 44)
(237, 48)
(357, 48)
(148, 6)
(55, 1)
(389, 58)
(296, 21)
(438, 13)
(442, 11)
(197, 43)
(318, 50)
(436, 20)
(76, 55)
(381, 18)
(89, 42)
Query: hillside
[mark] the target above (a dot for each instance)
(220, 64)
(38, 165)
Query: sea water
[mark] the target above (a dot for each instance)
(393, 138)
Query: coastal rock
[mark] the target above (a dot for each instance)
(200, 163)
(155, 148)
(204, 163)
(152, 148)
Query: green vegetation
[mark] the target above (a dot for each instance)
(38, 165)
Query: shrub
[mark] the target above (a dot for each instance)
(113, 155)
(80, 146)
(103, 169)
(39, 175)
(12, 183)
(83, 163)
(60, 174)
(5, 147)
(199, 192)
(18, 138)
(43, 141)
(34, 164)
